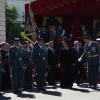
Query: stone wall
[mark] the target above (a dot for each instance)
(2, 21)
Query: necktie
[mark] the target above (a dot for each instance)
(77, 50)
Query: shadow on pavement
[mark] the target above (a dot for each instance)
(81, 90)
(4, 98)
(54, 93)
(31, 90)
(26, 95)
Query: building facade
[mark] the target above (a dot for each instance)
(2, 21)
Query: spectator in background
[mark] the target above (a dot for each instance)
(6, 82)
(51, 63)
(38, 31)
(7, 46)
(83, 32)
(60, 33)
(67, 61)
(45, 35)
(78, 68)
(1, 72)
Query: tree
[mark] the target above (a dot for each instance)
(13, 25)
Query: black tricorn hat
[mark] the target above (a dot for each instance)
(25, 42)
(98, 40)
(16, 39)
(40, 39)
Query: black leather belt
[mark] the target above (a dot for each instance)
(17, 59)
(42, 58)
(26, 59)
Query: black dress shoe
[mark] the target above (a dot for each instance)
(28, 88)
(78, 84)
(52, 84)
(94, 87)
(90, 86)
(43, 89)
(15, 92)
(39, 90)
(19, 91)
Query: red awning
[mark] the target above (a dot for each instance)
(75, 8)
(65, 7)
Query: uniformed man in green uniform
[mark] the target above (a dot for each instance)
(91, 51)
(98, 41)
(1, 72)
(27, 72)
(16, 64)
(39, 58)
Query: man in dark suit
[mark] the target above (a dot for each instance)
(45, 35)
(91, 51)
(38, 31)
(78, 51)
(60, 33)
(83, 32)
(40, 61)
(51, 63)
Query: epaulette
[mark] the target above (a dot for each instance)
(12, 47)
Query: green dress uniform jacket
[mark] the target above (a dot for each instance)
(40, 60)
(39, 57)
(15, 61)
(27, 72)
(15, 57)
(92, 54)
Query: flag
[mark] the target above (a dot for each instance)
(30, 28)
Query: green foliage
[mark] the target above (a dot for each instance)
(13, 25)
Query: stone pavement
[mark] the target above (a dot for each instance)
(55, 93)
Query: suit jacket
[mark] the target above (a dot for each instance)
(51, 58)
(77, 56)
(58, 33)
(15, 57)
(45, 36)
(38, 33)
(83, 33)
(89, 51)
(39, 57)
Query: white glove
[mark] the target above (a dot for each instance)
(80, 59)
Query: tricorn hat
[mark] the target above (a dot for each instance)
(16, 39)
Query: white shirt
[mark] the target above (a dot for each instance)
(77, 49)
(83, 29)
(52, 50)
(89, 44)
